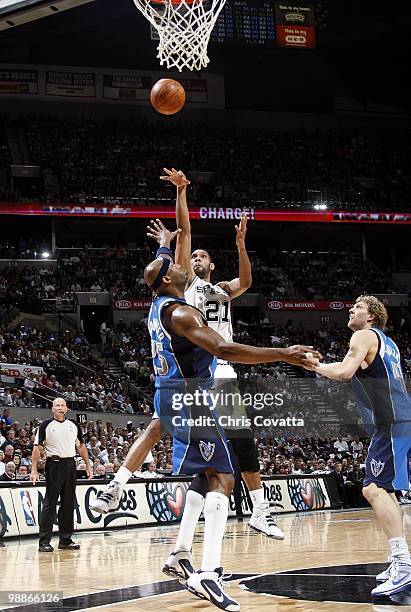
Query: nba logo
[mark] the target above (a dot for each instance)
(27, 508)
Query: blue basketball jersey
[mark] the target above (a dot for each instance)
(380, 388)
(175, 358)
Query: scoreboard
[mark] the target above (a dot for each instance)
(249, 22)
(257, 23)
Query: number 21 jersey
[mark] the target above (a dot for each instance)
(214, 303)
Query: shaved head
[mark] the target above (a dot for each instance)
(173, 279)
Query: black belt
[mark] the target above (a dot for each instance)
(57, 458)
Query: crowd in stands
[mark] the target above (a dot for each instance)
(277, 275)
(68, 368)
(119, 162)
(107, 448)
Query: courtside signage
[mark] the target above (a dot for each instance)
(154, 501)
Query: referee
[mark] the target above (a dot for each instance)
(58, 436)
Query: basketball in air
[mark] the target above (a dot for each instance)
(168, 96)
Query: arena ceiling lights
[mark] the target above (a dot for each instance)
(17, 12)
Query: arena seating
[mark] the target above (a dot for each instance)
(119, 162)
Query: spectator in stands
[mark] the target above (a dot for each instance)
(22, 473)
(341, 446)
(5, 419)
(100, 471)
(340, 481)
(10, 440)
(9, 473)
(29, 401)
(109, 468)
(354, 485)
(151, 471)
(2, 464)
(357, 447)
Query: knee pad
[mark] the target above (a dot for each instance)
(246, 453)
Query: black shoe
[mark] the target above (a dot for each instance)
(45, 548)
(69, 546)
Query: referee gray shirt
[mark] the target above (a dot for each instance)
(59, 437)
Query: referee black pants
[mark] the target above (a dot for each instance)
(60, 481)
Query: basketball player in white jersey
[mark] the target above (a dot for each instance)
(215, 302)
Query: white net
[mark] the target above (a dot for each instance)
(184, 30)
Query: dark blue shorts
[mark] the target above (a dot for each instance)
(387, 460)
(196, 448)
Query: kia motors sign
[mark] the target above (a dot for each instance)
(307, 305)
(132, 304)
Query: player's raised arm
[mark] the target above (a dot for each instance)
(184, 321)
(163, 236)
(239, 285)
(362, 342)
(183, 248)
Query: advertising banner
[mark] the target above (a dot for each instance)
(18, 81)
(295, 25)
(10, 371)
(307, 305)
(8, 521)
(154, 501)
(213, 213)
(132, 304)
(71, 84)
(126, 86)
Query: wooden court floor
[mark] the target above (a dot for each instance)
(331, 559)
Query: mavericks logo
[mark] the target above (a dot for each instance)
(376, 467)
(207, 450)
(306, 494)
(166, 500)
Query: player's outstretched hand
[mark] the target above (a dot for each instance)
(160, 233)
(241, 230)
(177, 177)
(301, 355)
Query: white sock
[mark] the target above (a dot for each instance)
(215, 515)
(123, 476)
(399, 549)
(192, 510)
(259, 503)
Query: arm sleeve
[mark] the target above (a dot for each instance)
(41, 433)
(79, 434)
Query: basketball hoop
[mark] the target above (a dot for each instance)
(184, 29)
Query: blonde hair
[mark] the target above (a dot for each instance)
(376, 309)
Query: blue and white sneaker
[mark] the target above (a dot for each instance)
(179, 565)
(384, 575)
(399, 580)
(210, 586)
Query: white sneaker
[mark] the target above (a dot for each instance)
(179, 565)
(399, 580)
(209, 585)
(384, 576)
(264, 523)
(109, 500)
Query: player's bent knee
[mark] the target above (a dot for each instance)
(228, 482)
(371, 491)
